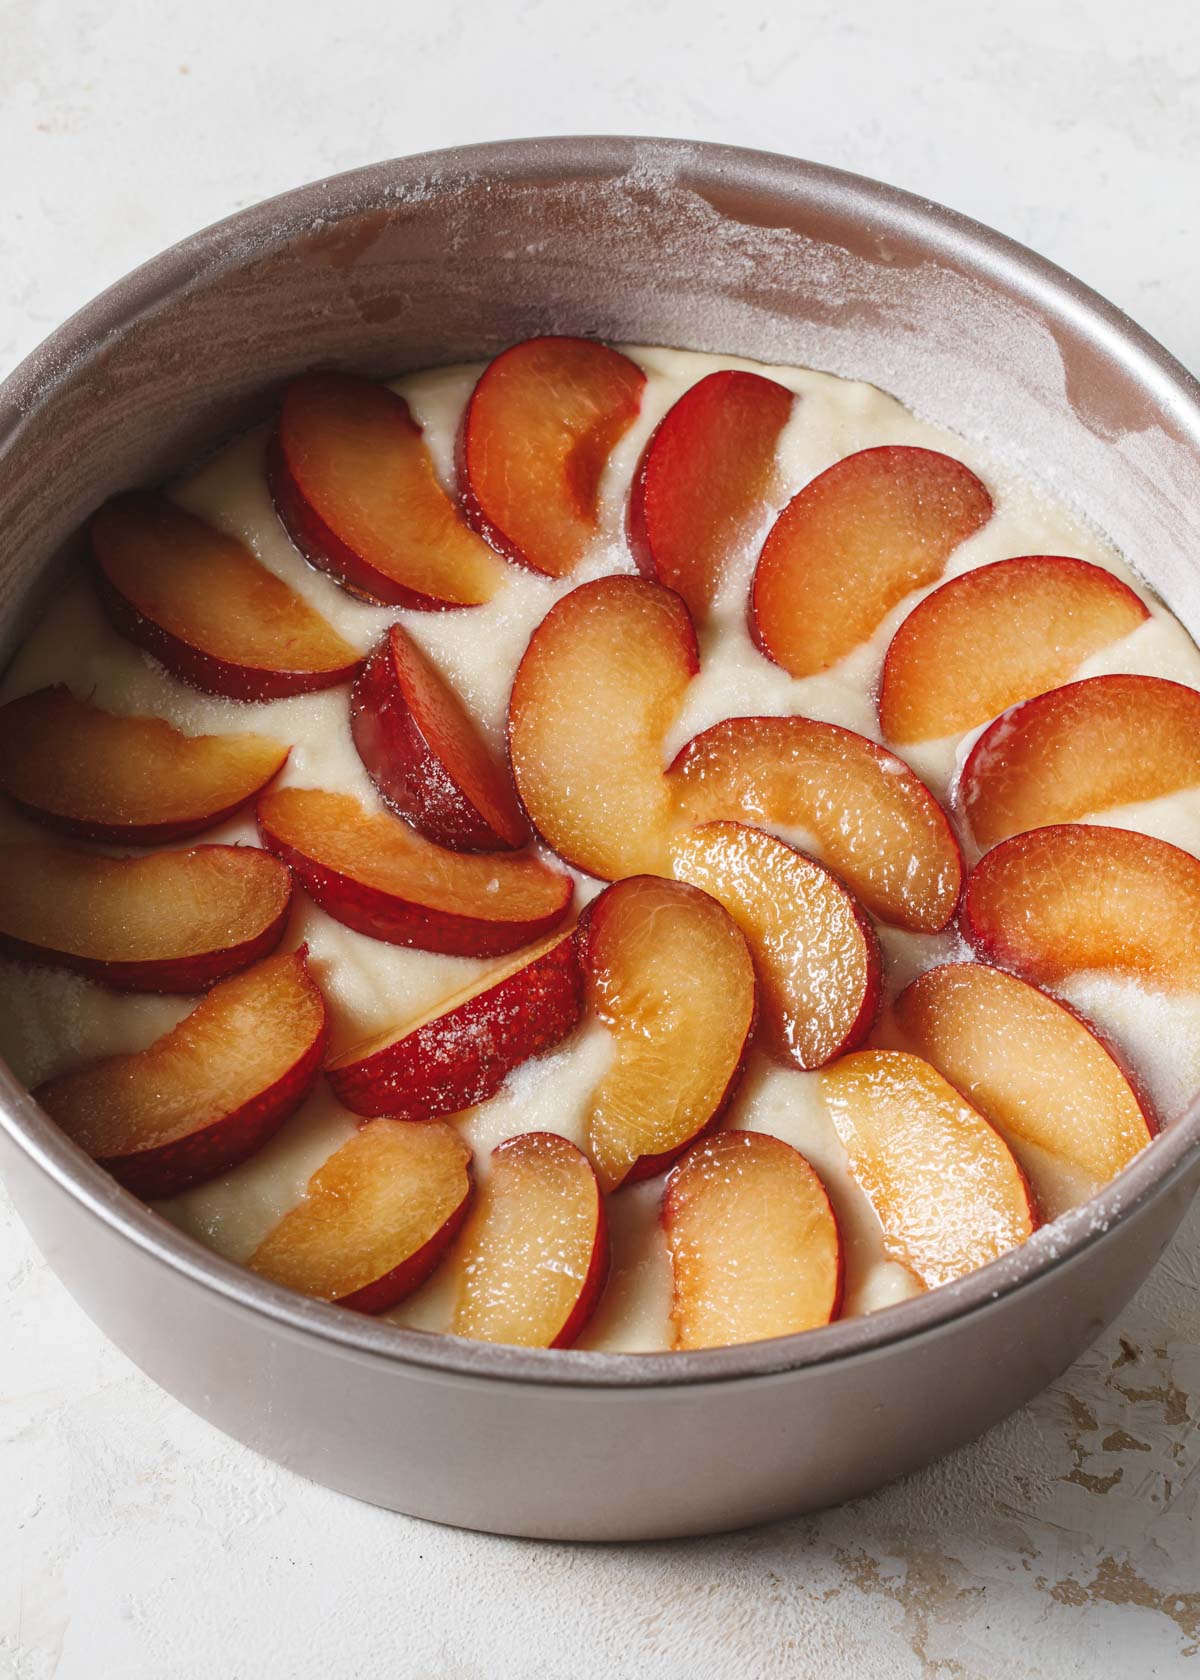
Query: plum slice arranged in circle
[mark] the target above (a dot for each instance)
(703, 479)
(755, 1247)
(461, 1052)
(375, 874)
(815, 951)
(599, 685)
(1053, 901)
(355, 488)
(124, 779)
(534, 1256)
(163, 922)
(945, 1186)
(208, 610)
(376, 1219)
(535, 439)
(1079, 751)
(852, 544)
(668, 972)
(426, 755)
(1052, 1088)
(995, 636)
(209, 1093)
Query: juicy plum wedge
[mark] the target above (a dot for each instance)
(424, 752)
(1042, 1077)
(704, 479)
(755, 1247)
(995, 636)
(462, 1052)
(126, 780)
(943, 1183)
(816, 954)
(1081, 750)
(852, 544)
(1055, 900)
(534, 1256)
(535, 439)
(354, 485)
(599, 685)
(873, 820)
(376, 1218)
(668, 972)
(209, 1093)
(166, 922)
(199, 601)
(376, 875)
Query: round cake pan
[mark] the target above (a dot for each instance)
(451, 256)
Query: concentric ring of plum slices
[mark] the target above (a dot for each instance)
(681, 908)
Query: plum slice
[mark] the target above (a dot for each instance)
(703, 479)
(375, 1220)
(425, 754)
(373, 873)
(668, 973)
(209, 1093)
(461, 1052)
(945, 1186)
(997, 635)
(815, 951)
(213, 615)
(165, 922)
(535, 439)
(852, 544)
(534, 1256)
(600, 684)
(1081, 750)
(354, 485)
(125, 779)
(754, 1244)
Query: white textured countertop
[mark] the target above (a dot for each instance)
(135, 1542)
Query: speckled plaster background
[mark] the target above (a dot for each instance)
(137, 1544)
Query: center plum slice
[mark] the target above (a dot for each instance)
(815, 951)
(873, 820)
(534, 1256)
(378, 876)
(852, 544)
(668, 972)
(754, 1244)
(599, 685)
